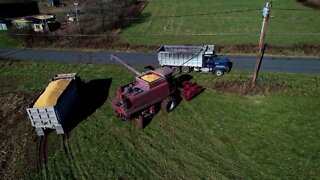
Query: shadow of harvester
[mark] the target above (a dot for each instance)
(92, 95)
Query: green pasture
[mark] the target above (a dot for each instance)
(215, 136)
(229, 22)
(7, 41)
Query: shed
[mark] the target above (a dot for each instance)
(5, 24)
(39, 23)
(20, 23)
(53, 2)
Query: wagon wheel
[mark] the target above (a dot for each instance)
(185, 69)
(139, 121)
(176, 70)
(168, 104)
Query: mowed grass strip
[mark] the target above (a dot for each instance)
(216, 135)
(231, 22)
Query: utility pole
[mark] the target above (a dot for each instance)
(77, 15)
(266, 15)
(101, 14)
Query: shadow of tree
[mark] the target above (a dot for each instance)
(92, 96)
(141, 18)
(311, 3)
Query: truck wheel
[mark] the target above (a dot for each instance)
(168, 104)
(218, 72)
(185, 69)
(176, 70)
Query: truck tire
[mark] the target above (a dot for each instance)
(185, 69)
(168, 104)
(176, 70)
(218, 72)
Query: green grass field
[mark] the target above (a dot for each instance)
(215, 136)
(6, 41)
(233, 22)
(232, 25)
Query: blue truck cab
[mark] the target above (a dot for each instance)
(218, 64)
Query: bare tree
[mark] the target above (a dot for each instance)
(101, 13)
(112, 12)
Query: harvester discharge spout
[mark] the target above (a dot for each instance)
(115, 58)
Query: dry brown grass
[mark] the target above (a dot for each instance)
(243, 86)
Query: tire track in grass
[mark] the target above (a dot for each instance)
(69, 154)
(42, 151)
(76, 169)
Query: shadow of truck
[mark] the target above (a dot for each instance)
(92, 96)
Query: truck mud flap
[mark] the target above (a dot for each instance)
(59, 129)
(39, 131)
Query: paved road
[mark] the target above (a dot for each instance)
(282, 64)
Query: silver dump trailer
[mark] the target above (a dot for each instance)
(53, 116)
(176, 55)
(197, 58)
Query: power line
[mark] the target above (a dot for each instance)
(180, 15)
(295, 34)
(303, 18)
(293, 9)
(168, 35)
(202, 14)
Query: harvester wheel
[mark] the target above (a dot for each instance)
(168, 104)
